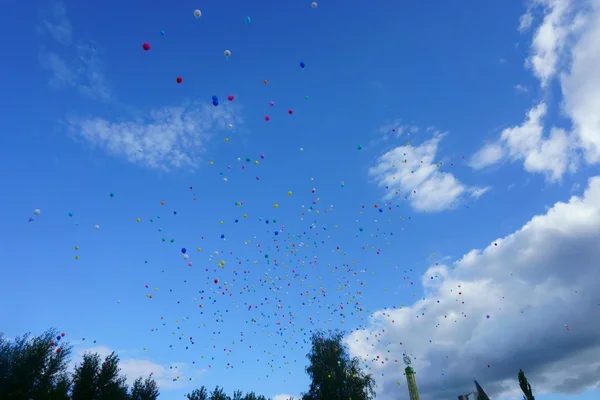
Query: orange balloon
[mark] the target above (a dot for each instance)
(162, 203)
(265, 82)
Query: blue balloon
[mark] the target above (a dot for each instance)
(162, 33)
(248, 20)
(302, 65)
(215, 98)
(183, 250)
(215, 103)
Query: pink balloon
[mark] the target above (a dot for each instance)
(267, 118)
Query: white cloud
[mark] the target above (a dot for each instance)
(566, 45)
(552, 156)
(171, 376)
(172, 137)
(539, 287)
(521, 89)
(284, 397)
(85, 71)
(581, 85)
(60, 27)
(411, 170)
(488, 155)
(62, 75)
(549, 40)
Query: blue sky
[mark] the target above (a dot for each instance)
(497, 136)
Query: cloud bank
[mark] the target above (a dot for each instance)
(528, 300)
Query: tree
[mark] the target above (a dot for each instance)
(95, 381)
(144, 390)
(525, 386)
(238, 395)
(34, 367)
(334, 375)
(218, 394)
(198, 394)
(111, 384)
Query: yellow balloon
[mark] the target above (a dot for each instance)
(137, 220)
(199, 248)
(275, 205)
(290, 193)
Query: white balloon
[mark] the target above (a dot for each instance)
(229, 126)
(197, 13)
(140, 150)
(301, 148)
(227, 53)
(36, 211)
(97, 226)
(224, 179)
(185, 256)
(314, 4)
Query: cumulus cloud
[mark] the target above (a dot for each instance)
(565, 46)
(412, 171)
(171, 137)
(171, 376)
(538, 286)
(551, 155)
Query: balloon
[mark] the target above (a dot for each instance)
(36, 211)
(162, 33)
(290, 112)
(267, 118)
(229, 126)
(230, 97)
(215, 98)
(271, 103)
(179, 80)
(302, 65)
(248, 20)
(97, 227)
(197, 13)
(265, 81)
(146, 46)
(227, 53)
(314, 4)
(183, 250)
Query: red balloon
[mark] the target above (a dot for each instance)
(179, 80)
(267, 118)
(290, 112)
(230, 97)
(146, 46)
(216, 281)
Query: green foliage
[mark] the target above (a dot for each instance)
(218, 394)
(525, 386)
(334, 375)
(144, 390)
(31, 368)
(198, 394)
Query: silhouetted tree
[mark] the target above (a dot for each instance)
(218, 394)
(144, 389)
(525, 386)
(334, 375)
(93, 380)
(198, 394)
(238, 395)
(34, 367)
